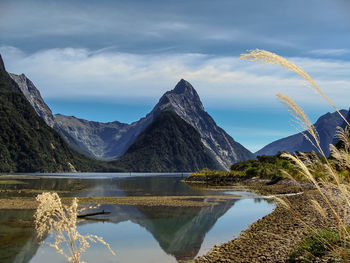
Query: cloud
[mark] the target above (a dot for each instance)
(220, 81)
(183, 26)
(330, 52)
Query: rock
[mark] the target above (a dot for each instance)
(33, 95)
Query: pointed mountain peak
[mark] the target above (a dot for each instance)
(324, 119)
(182, 86)
(185, 88)
(182, 97)
(33, 95)
(185, 102)
(22, 76)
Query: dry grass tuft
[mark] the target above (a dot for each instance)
(329, 176)
(60, 221)
(302, 120)
(272, 58)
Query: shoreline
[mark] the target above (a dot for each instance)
(269, 239)
(29, 203)
(274, 236)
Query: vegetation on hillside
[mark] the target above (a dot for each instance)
(169, 144)
(27, 144)
(268, 167)
(264, 166)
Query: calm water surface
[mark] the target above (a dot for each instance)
(136, 233)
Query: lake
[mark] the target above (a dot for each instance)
(136, 233)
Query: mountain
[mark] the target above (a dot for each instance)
(168, 144)
(326, 128)
(104, 141)
(99, 140)
(184, 101)
(27, 143)
(108, 141)
(336, 141)
(34, 97)
(182, 236)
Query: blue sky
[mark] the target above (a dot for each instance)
(112, 60)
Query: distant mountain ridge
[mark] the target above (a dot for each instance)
(326, 128)
(27, 143)
(108, 141)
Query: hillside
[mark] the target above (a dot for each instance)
(27, 143)
(168, 144)
(326, 127)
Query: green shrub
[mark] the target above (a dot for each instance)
(318, 245)
(252, 172)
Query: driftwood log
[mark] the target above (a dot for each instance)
(94, 214)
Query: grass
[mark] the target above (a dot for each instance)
(11, 182)
(329, 176)
(213, 173)
(266, 167)
(318, 245)
(59, 220)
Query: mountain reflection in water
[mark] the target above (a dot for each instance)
(136, 233)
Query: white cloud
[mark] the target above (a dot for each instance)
(330, 52)
(259, 132)
(220, 81)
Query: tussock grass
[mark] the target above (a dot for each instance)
(272, 58)
(60, 221)
(329, 176)
(214, 173)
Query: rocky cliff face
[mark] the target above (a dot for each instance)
(100, 140)
(326, 127)
(107, 141)
(33, 95)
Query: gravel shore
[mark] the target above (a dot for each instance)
(274, 236)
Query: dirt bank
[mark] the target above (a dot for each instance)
(274, 236)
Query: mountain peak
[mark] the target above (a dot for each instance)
(182, 86)
(325, 127)
(185, 88)
(186, 103)
(33, 95)
(182, 97)
(23, 78)
(329, 117)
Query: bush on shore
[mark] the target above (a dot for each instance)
(266, 167)
(328, 175)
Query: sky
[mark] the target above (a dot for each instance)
(113, 60)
